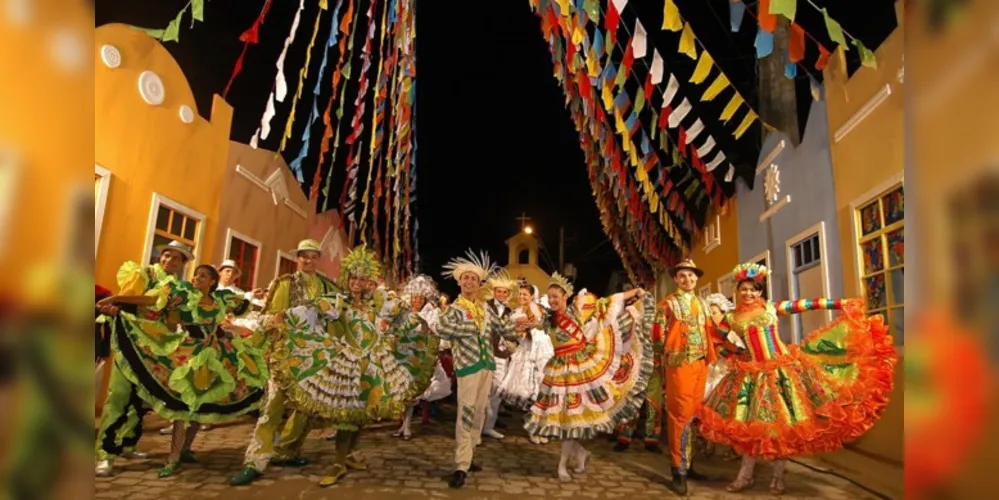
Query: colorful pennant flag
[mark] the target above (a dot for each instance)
(786, 8)
(736, 11)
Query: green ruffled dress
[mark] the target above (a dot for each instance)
(353, 367)
(198, 372)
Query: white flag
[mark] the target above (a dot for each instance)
(681, 111)
(638, 42)
(657, 67)
(720, 157)
(671, 88)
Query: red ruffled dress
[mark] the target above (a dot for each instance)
(780, 401)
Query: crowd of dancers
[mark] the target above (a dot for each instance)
(311, 352)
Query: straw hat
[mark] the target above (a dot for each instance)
(230, 263)
(686, 264)
(308, 245)
(176, 246)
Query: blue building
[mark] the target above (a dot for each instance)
(788, 222)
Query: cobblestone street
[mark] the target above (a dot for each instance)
(513, 468)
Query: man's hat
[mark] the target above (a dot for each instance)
(308, 245)
(686, 264)
(178, 247)
(230, 263)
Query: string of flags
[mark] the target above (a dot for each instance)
(249, 37)
(172, 32)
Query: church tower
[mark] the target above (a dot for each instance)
(522, 260)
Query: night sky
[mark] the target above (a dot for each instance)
(494, 139)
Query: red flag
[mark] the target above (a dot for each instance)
(768, 21)
(629, 59)
(664, 117)
(823, 60)
(648, 86)
(796, 44)
(611, 22)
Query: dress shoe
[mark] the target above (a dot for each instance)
(475, 467)
(457, 479)
(245, 476)
(104, 468)
(679, 484)
(697, 476)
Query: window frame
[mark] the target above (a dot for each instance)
(277, 264)
(721, 289)
(230, 233)
(100, 203)
(712, 235)
(874, 195)
(820, 229)
(704, 291)
(159, 200)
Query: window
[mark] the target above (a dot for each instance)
(705, 291)
(881, 246)
(524, 256)
(286, 263)
(171, 221)
(807, 277)
(726, 286)
(246, 252)
(712, 235)
(973, 217)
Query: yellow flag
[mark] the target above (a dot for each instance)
(703, 68)
(746, 122)
(591, 65)
(605, 94)
(733, 105)
(654, 202)
(687, 42)
(633, 153)
(671, 17)
(563, 7)
(577, 35)
(720, 84)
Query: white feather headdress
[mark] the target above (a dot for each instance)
(721, 301)
(479, 264)
(421, 285)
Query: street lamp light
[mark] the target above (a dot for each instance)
(528, 230)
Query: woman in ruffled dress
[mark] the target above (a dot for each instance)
(779, 401)
(421, 290)
(523, 378)
(353, 360)
(200, 374)
(596, 378)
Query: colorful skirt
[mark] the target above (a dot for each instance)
(198, 374)
(440, 385)
(525, 370)
(588, 390)
(828, 391)
(348, 379)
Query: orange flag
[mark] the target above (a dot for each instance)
(823, 60)
(796, 44)
(768, 21)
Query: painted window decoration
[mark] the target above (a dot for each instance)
(173, 225)
(882, 248)
(286, 266)
(245, 255)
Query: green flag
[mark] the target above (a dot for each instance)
(172, 32)
(835, 30)
(786, 8)
(866, 55)
(197, 11)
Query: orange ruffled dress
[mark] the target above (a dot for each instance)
(780, 401)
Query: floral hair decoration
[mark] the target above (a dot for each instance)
(362, 263)
(750, 271)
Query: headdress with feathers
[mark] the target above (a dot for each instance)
(362, 263)
(502, 279)
(421, 285)
(479, 264)
(561, 282)
(750, 271)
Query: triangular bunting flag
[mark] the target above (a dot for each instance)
(730, 174)
(671, 88)
(736, 11)
(834, 29)
(657, 67)
(718, 159)
(732, 107)
(695, 130)
(704, 65)
(687, 45)
(764, 43)
(671, 17)
(706, 147)
(638, 42)
(746, 122)
(720, 84)
(679, 113)
(786, 8)
(866, 56)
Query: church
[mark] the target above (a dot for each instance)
(522, 260)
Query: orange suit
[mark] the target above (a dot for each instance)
(691, 341)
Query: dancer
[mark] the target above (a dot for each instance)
(655, 402)
(692, 344)
(596, 378)
(780, 401)
(502, 287)
(526, 367)
(121, 419)
(353, 360)
(468, 325)
(719, 305)
(420, 290)
(289, 290)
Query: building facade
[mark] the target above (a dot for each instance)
(789, 222)
(866, 125)
(716, 251)
(522, 260)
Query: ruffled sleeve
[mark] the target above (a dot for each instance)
(232, 303)
(132, 279)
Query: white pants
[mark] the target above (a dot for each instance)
(473, 396)
(492, 411)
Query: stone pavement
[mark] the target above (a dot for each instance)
(513, 468)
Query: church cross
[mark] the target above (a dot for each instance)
(523, 220)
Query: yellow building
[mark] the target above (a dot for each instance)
(866, 114)
(522, 260)
(716, 251)
(159, 166)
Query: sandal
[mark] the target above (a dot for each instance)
(337, 472)
(740, 484)
(777, 487)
